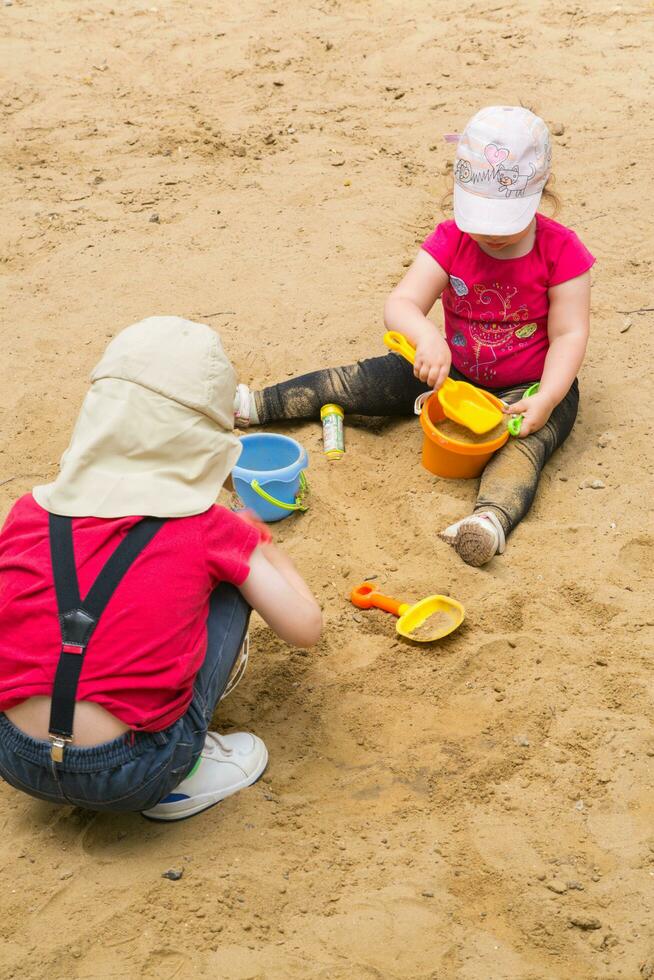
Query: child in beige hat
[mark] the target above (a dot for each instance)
(125, 591)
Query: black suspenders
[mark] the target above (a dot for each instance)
(77, 619)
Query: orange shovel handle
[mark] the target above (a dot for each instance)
(365, 596)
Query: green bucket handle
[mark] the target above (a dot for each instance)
(299, 500)
(515, 424)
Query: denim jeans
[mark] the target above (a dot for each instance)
(136, 770)
(387, 386)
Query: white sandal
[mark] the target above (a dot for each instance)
(476, 539)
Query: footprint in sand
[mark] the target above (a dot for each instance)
(107, 836)
(163, 959)
(71, 823)
(637, 556)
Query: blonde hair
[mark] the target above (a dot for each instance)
(551, 198)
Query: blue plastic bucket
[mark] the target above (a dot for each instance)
(269, 476)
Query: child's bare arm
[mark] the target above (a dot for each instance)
(568, 326)
(406, 311)
(281, 597)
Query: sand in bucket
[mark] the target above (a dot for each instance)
(459, 433)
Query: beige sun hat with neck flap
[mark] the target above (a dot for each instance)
(155, 432)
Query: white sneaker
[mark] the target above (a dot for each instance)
(227, 763)
(242, 407)
(476, 539)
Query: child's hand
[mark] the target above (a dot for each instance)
(432, 361)
(536, 410)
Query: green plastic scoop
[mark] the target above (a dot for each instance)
(515, 424)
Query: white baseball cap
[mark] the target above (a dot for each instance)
(502, 164)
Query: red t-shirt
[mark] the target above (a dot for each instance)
(151, 639)
(495, 310)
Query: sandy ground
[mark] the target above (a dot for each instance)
(445, 812)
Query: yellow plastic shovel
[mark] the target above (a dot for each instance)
(425, 621)
(461, 402)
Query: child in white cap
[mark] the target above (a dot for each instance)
(125, 591)
(515, 290)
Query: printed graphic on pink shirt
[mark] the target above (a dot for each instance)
(496, 310)
(494, 327)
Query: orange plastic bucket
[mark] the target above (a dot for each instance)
(448, 458)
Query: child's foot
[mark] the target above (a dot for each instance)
(476, 539)
(245, 408)
(227, 763)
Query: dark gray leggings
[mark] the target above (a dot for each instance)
(386, 386)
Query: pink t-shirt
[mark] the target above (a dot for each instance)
(151, 640)
(495, 310)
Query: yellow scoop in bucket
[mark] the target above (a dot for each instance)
(461, 402)
(428, 620)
